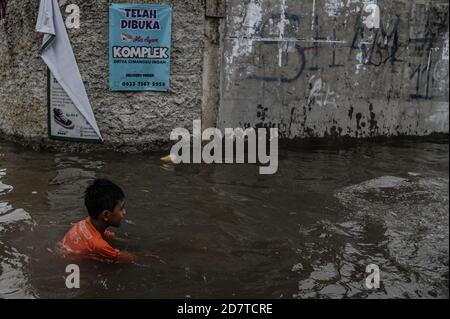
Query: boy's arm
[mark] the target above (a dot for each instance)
(125, 257)
(108, 235)
(105, 251)
(122, 257)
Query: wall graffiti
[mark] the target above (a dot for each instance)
(431, 68)
(311, 64)
(320, 93)
(385, 44)
(383, 48)
(418, 73)
(283, 79)
(376, 47)
(334, 63)
(266, 33)
(269, 33)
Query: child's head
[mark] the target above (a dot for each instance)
(105, 202)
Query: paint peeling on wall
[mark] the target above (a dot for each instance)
(318, 68)
(445, 49)
(281, 27)
(248, 17)
(333, 7)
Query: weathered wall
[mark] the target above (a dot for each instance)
(313, 69)
(309, 67)
(141, 120)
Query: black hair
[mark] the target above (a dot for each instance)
(102, 195)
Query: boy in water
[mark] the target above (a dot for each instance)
(105, 203)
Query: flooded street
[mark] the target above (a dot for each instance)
(204, 231)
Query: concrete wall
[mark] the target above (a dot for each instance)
(309, 67)
(312, 69)
(127, 120)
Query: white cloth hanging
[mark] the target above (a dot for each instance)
(57, 53)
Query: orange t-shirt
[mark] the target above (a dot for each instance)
(85, 240)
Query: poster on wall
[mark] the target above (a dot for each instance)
(139, 47)
(69, 108)
(65, 120)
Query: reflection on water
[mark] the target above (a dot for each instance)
(226, 231)
(13, 281)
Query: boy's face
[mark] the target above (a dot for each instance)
(115, 217)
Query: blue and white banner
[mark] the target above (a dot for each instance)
(139, 47)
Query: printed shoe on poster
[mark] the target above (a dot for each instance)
(61, 119)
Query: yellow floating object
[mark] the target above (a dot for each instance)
(167, 159)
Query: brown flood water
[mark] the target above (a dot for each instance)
(225, 231)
